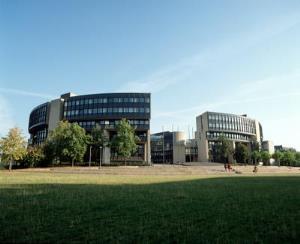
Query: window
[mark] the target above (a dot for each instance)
(109, 110)
(104, 100)
(147, 100)
(130, 110)
(104, 110)
(142, 99)
(90, 101)
(115, 110)
(142, 110)
(125, 110)
(126, 100)
(77, 102)
(147, 110)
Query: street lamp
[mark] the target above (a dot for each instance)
(100, 154)
(90, 157)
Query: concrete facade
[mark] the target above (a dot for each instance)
(236, 128)
(268, 146)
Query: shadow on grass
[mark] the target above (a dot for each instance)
(238, 209)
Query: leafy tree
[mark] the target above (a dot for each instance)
(288, 158)
(255, 156)
(125, 140)
(34, 156)
(13, 146)
(99, 139)
(277, 156)
(241, 153)
(223, 149)
(254, 146)
(297, 157)
(67, 140)
(265, 156)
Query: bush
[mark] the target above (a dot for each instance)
(34, 157)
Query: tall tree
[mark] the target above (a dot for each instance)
(125, 140)
(223, 149)
(34, 156)
(68, 140)
(241, 153)
(277, 156)
(98, 139)
(265, 157)
(255, 156)
(288, 158)
(13, 146)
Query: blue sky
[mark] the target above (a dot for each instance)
(193, 56)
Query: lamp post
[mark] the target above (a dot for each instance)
(90, 157)
(100, 154)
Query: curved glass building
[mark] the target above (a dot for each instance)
(236, 128)
(106, 110)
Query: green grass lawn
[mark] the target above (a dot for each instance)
(53, 207)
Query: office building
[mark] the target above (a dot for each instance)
(106, 110)
(236, 128)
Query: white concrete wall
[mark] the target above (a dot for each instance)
(55, 113)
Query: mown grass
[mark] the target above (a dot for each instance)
(53, 207)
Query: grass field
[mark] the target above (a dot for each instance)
(57, 207)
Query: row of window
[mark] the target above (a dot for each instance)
(38, 116)
(40, 137)
(232, 127)
(232, 136)
(107, 100)
(229, 119)
(98, 111)
(112, 122)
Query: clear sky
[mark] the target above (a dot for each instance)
(241, 57)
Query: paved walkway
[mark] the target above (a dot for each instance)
(160, 169)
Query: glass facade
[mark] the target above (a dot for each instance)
(162, 147)
(228, 122)
(106, 110)
(38, 128)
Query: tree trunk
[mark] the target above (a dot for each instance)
(10, 165)
(72, 162)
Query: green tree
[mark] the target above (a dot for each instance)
(288, 158)
(68, 140)
(223, 149)
(13, 146)
(265, 157)
(124, 142)
(34, 157)
(255, 156)
(99, 140)
(297, 157)
(241, 153)
(277, 157)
